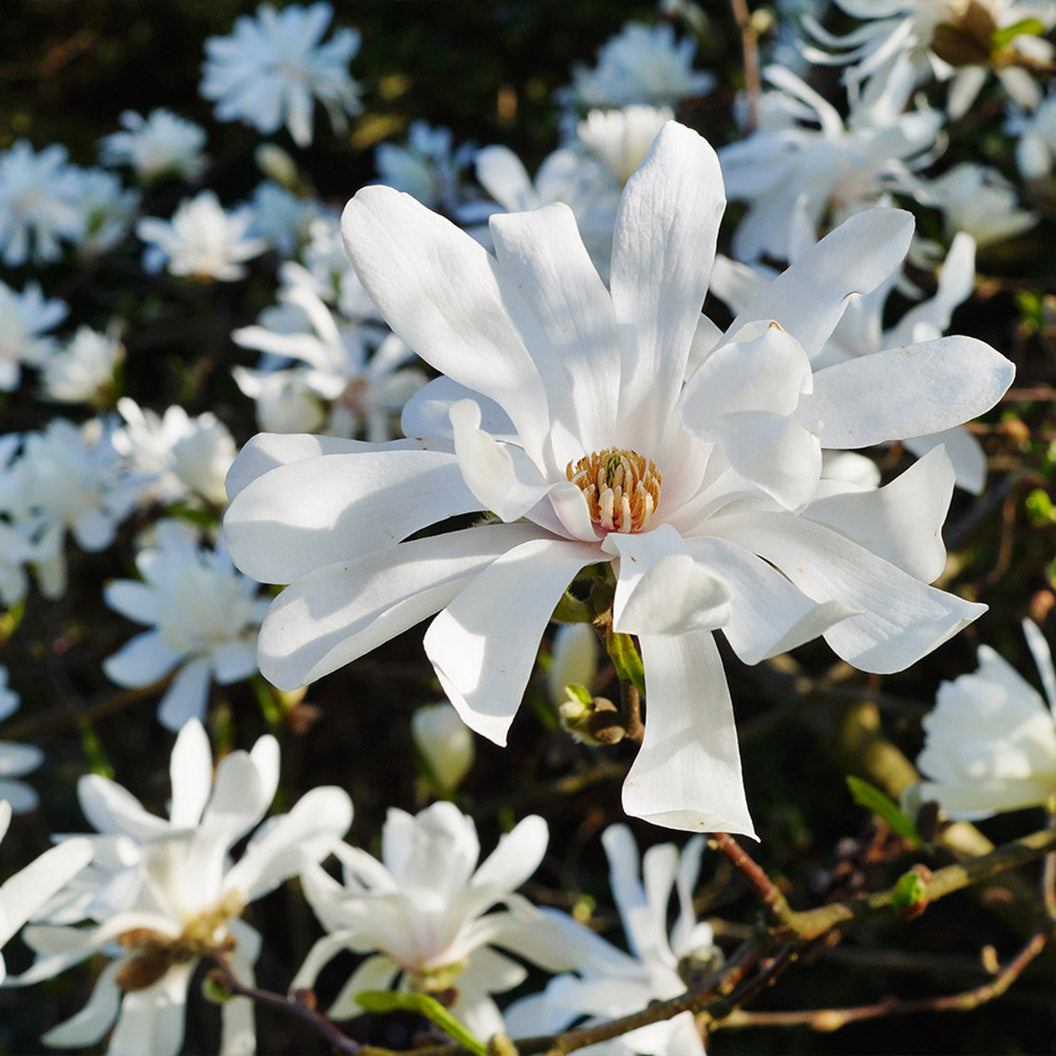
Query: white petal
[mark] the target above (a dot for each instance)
(768, 614)
(809, 298)
(187, 695)
(899, 619)
(542, 254)
(660, 590)
(688, 771)
(663, 248)
(133, 599)
(151, 1020)
(1039, 649)
(964, 450)
(906, 392)
(233, 660)
(111, 810)
(142, 661)
(375, 973)
(311, 513)
(24, 893)
(516, 857)
(436, 288)
(427, 412)
(901, 522)
(336, 614)
(95, 1019)
(191, 774)
(483, 645)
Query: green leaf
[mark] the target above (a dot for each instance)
(870, 797)
(422, 1005)
(626, 659)
(1025, 27)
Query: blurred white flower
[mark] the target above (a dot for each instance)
(825, 173)
(991, 739)
(424, 909)
(979, 200)
(613, 983)
(366, 393)
(163, 893)
(622, 138)
(185, 455)
(1036, 148)
(283, 218)
(427, 166)
(158, 145)
(67, 479)
(83, 370)
(329, 273)
(16, 760)
(107, 209)
(38, 203)
(25, 319)
(561, 408)
(860, 332)
(445, 743)
(202, 241)
(204, 617)
(23, 894)
(641, 64)
(271, 69)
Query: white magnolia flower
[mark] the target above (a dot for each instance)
(83, 371)
(271, 69)
(427, 166)
(203, 616)
(991, 740)
(25, 319)
(185, 456)
(641, 64)
(424, 909)
(445, 742)
(202, 241)
(614, 983)
(940, 39)
(282, 218)
(24, 893)
(38, 204)
(67, 479)
(365, 392)
(162, 893)
(1036, 149)
(328, 271)
(979, 200)
(107, 209)
(826, 173)
(16, 760)
(622, 138)
(560, 409)
(158, 145)
(860, 332)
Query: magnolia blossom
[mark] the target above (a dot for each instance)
(38, 203)
(202, 240)
(23, 894)
(861, 333)
(444, 742)
(16, 760)
(427, 166)
(272, 68)
(940, 39)
(67, 479)
(25, 319)
(83, 371)
(622, 138)
(991, 740)
(281, 217)
(560, 409)
(158, 145)
(107, 209)
(203, 616)
(641, 64)
(162, 893)
(1036, 149)
(979, 200)
(185, 456)
(613, 983)
(825, 173)
(424, 909)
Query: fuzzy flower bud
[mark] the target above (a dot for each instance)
(445, 742)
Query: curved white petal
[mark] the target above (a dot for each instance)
(95, 1019)
(112, 810)
(906, 392)
(187, 695)
(133, 599)
(427, 412)
(24, 893)
(964, 450)
(141, 661)
(191, 775)
(663, 248)
(375, 973)
(316, 511)
(516, 857)
(484, 644)
(688, 771)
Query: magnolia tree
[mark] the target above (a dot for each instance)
(502, 484)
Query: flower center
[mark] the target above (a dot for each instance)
(622, 488)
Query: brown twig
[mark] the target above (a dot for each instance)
(753, 87)
(774, 902)
(829, 1019)
(631, 712)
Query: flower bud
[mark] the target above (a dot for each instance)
(445, 744)
(277, 165)
(574, 660)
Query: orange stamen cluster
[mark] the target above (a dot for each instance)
(622, 488)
